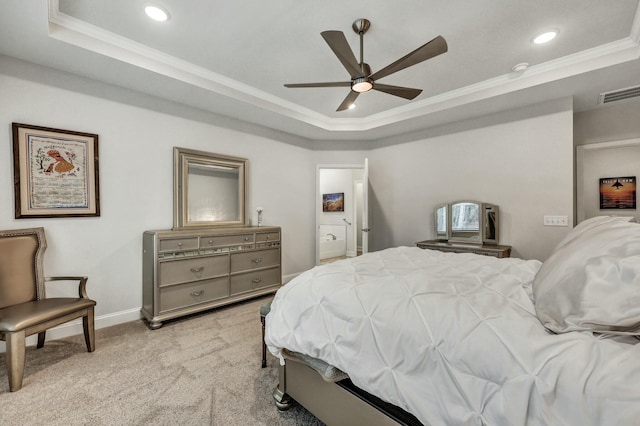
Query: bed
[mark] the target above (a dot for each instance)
(465, 339)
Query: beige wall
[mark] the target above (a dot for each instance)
(521, 160)
(136, 187)
(611, 123)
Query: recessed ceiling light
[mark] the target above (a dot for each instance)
(520, 67)
(156, 13)
(545, 37)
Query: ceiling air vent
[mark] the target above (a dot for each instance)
(619, 95)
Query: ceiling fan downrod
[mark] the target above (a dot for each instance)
(360, 27)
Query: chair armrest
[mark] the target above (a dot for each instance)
(82, 287)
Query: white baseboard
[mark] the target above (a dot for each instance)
(73, 328)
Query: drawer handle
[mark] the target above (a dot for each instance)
(179, 244)
(197, 293)
(198, 269)
(257, 260)
(246, 238)
(210, 242)
(256, 280)
(268, 237)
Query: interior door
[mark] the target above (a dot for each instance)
(365, 208)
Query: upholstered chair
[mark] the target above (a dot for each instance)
(24, 309)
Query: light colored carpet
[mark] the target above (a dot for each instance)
(202, 370)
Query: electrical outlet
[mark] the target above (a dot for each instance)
(550, 220)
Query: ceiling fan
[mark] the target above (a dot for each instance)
(362, 80)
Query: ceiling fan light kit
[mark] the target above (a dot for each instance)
(361, 84)
(362, 80)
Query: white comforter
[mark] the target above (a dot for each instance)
(454, 339)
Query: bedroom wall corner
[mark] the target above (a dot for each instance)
(136, 180)
(521, 160)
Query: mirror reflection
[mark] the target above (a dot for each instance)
(209, 189)
(213, 193)
(464, 216)
(465, 221)
(442, 231)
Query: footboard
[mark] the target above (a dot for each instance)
(339, 403)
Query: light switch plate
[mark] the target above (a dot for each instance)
(550, 220)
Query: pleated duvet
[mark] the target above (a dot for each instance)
(454, 339)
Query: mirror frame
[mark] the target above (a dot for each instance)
(182, 157)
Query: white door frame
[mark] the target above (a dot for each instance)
(319, 196)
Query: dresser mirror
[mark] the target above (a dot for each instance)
(208, 189)
(467, 221)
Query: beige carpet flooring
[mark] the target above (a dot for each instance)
(202, 370)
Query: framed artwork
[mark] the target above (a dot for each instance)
(333, 202)
(618, 193)
(55, 172)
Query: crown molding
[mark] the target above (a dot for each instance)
(82, 34)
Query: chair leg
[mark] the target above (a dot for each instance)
(264, 345)
(89, 330)
(15, 359)
(41, 337)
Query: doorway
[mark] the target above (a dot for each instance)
(603, 160)
(341, 227)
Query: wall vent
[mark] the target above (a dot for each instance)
(619, 95)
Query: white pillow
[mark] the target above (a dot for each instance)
(591, 281)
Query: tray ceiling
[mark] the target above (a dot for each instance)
(233, 58)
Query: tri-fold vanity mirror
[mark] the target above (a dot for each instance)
(467, 221)
(209, 189)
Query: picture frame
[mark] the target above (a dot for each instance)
(55, 172)
(618, 193)
(333, 202)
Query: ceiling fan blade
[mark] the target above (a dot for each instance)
(338, 43)
(433, 48)
(331, 84)
(351, 97)
(403, 92)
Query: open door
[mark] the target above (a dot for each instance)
(365, 208)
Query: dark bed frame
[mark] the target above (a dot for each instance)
(334, 403)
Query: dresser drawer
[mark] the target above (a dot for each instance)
(254, 260)
(178, 244)
(184, 270)
(267, 236)
(254, 280)
(225, 240)
(183, 295)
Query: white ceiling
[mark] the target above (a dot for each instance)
(232, 58)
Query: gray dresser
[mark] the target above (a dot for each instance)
(188, 271)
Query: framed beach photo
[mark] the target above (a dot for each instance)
(618, 192)
(55, 172)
